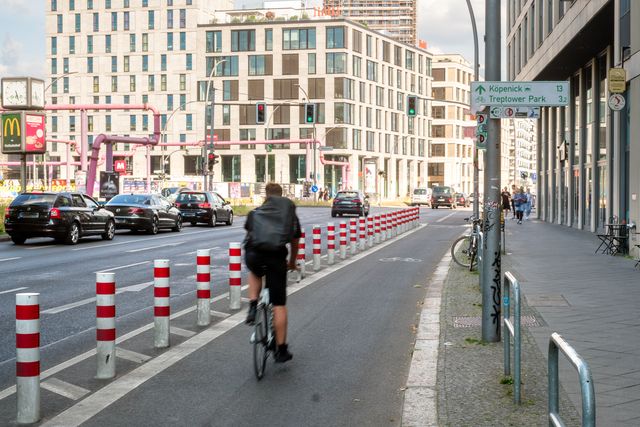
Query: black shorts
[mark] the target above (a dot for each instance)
(274, 267)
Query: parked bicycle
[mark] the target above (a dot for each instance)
(464, 250)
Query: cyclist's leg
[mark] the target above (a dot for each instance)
(276, 281)
(254, 263)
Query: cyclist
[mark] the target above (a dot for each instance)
(273, 264)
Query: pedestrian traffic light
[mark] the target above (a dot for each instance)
(212, 159)
(261, 113)
(412, 103)
(310, 113)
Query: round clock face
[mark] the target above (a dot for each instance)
(37, 93)
(14, 92)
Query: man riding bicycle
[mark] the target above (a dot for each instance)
(269, 227)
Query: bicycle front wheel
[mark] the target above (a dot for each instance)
(461, 251)
(260, 350)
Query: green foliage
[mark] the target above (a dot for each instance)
(506, 380)
(251, 18)
(236, 20)
(293, 18)
(242, 210)
(305, 16)
(2, 208)
(475, 341)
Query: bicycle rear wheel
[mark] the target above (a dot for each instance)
(461, 251)
(260, 350)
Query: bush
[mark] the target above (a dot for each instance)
(2, 208)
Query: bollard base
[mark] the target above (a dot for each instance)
(106, 360)
(234, 297)
(204, 312)
(28, 399)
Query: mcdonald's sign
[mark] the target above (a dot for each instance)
(12, 134)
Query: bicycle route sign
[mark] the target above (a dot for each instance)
(519, 94)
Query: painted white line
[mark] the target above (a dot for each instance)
(195, 252)
(13, 290)
(69, 306)
(122, 266)
(183, 264)
(10, 259)
(181, 332)
(63, 388)
(445, 217)
(132, 356)
(106, 245)
(148, 248)
(219, 314)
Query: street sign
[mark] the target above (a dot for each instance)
(314, 188)
(617, 102)
(481, 131)
(617, 80)
(325, 148)
(519, 94)
(515, 112)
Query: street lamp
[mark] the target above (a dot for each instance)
(476, 71)
(210, 87)
(314, 142)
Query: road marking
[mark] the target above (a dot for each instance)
(122, 266)
(106, 245)
(65, 389)
(195, 252)
(69, 306)
(132, 356)
(181, 332)
(154, 247)
(10, 259)
(12, 290)
(219, 314)
(445, 217)
(114, 391)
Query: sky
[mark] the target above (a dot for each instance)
(444, 24)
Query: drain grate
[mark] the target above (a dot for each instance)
(476, 321)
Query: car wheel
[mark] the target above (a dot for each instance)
(73, 234)
(333, 214)
(178, 225)
(18, 239)
(109, 231)
(193, 223)
(213, 220)
(230, 220)
(154, 226)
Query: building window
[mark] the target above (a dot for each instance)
(89, 44)
(145, 42)
(107, 4)
(183, 40)
(54, 5)
(227, 68)
(260, 65)
(243, 40)
(183, 82)
(127, 21)
(151, 83)
(114, 21)
(169, 102)
(268, 39)
(163, 62)
(163, 82)
(96, 84)
(372, 71)
(311, 63)
(183, 18)
(145, 122)
(96, 23)
(114, 83)
(107, 44)
(169, 18)
(132, 42)
(230, 90)
(126, 64)
(357, 65)
(408, 60)
(189, 121)
(151, 19)
(299, 38)
(285, 89)
(335, 37)
(65, 85)
(145, 62)
(72, 44)
(169, 41)
(189, 62)
(336, 63)
(132, 123)
(132, 83)
(183, 101)
(231, 168)
(214, 41)
(90, 65)
(290, 64)
(255, 89)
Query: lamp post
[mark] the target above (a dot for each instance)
(476, 77)
(315, 176)
(209, 148)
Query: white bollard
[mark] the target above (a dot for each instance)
(317, 247)
(28, 358)
(331, 243)
(161, 307)
(301, 259)
(235, 275)
(363, 234)
(343, 240)
(106, 325)
(383, 227)
(376, 229)
(203, 286)
(353, 235)
(369, 232)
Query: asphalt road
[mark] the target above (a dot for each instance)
(351, 331)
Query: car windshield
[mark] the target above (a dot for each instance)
(191, 197)
(442, 190)
(130, 199)
(34, 199)
(420, 191)
(347, 195)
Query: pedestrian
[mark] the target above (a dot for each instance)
(321, 194)
(520, 201)
(269, 228)
(514, 191)
(529, 204)
(506, 201)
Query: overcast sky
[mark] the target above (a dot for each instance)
(443, 24)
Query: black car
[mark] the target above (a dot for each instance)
(442, 196)
(144, 212)
(462, 200)
(350, 202)
(64, 216)
(202, 206)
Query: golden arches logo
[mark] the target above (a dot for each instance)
(13, 125)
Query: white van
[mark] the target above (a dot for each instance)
(421, 196)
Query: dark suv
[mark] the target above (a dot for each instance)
(64, 216)
(350, 202)
(442, 196)
(200, 206)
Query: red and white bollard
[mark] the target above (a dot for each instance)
(343, 240)
(376, 229)
(383, 227)
(28, 357)
(161, 306)
(301, 260)
(317, 247)
(203, 286)
(401, 221)
(235, 275)
(353, 235)
(331, 243)
(363, 234)
(370, 231)
(394, 223)
(106, 325)
(417, 216)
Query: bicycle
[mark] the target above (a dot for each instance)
(464, 250)
(263, 337)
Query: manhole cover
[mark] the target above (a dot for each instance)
(476, 321)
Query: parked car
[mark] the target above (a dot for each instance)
(207, 207)
(462, 200)
(350, 202)
(171, 193)
(442, 196)
(421, 196)
(64, 216)
(148, 212)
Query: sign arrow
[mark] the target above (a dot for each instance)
(134, 288)
(480, 90)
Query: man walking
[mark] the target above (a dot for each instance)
(269, 228)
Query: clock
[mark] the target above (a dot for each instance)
(37, 93)
(14, 92)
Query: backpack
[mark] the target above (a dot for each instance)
(272, 225)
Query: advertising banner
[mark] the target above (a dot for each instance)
(370, 174)
(109, 183)
(34, 129)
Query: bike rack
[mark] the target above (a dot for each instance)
(586, 382)
(512, 325)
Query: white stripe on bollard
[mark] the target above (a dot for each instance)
(343, 240)
(28, 357)
(353, 235)
(106, 325)
(376, 229)
(317, 247)
(203, 286)
(161, 306)
(369, 231)
(235, 275)
(362, 241)
(331, 243)
(301, 261)
(383, 227)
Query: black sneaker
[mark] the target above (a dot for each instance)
(251, 315)
(282, 354)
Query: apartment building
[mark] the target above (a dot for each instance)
(518, 155)
(451, 149)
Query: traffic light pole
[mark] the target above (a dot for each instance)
(211, 142)
(476, 77)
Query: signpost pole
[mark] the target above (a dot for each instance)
(23, 173)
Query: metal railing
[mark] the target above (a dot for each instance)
(512, 325)
(586, 383)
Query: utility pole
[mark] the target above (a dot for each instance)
(476, 77)
(211, 146)
(492, 274)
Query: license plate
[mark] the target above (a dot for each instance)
(441, 199)
(188, 214)
(29, 215)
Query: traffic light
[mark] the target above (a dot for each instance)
(212, 159)
(412, 103)
(310, 113)
(261, 113)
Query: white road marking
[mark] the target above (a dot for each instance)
(10, 259)
(445, 217)
(106, 245)
(111, 393)
(13, 290)
(122, 266)
(64, 388)
(154, 247)
(69, 306)
(195, 252)
(132, 356)
(219, 314)
(181, 332)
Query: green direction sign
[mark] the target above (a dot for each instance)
(519, 94)
(12, 133)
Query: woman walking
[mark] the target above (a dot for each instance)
(506, 201)
(520, 201)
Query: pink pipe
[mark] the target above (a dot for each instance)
(43, 163)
